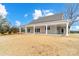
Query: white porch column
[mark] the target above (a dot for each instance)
(34, 29)
(25, 29)
(67, 29)
(46, 29)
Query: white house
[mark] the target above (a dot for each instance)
(53, 24)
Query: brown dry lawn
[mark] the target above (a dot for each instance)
(30, 44)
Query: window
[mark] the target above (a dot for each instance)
(37, 30)
(62, 30)
(28, 30)
(48, 27)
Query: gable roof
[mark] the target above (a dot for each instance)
(50, 18)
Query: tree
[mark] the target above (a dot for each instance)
(4, 25)
(14, 29)
(72, 13)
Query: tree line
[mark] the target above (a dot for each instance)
(6, 28)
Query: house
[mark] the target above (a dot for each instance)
(53, 24)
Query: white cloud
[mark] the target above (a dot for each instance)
(18, 23)
(75, 28)
(41, 13)
(47, 12)
(25, 15)
(37, 14)
(3, 11)
(77, 18)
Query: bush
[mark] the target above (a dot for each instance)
(14, 30)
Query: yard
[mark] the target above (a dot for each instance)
(30, 44)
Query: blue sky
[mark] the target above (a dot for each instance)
(25, 12)
(17, 11)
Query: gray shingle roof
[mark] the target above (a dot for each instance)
(50, 18)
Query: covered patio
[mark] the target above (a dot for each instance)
(55, 27)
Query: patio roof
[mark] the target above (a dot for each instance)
(61, 22)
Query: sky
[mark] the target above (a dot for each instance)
(23, 13)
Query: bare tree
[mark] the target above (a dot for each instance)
(72, 12)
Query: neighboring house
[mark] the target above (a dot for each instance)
(53, 24)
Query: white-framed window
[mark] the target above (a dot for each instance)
(48, 28)
(37, 29)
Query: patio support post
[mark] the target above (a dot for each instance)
(34, 29)
(46, 29)
(66, 29)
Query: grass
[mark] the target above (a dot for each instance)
(36, 45)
